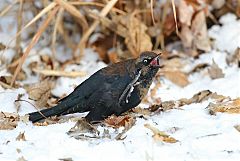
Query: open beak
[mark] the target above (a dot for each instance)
(157, 62)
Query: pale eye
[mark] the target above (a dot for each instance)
(145, 61)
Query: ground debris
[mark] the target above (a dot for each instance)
(40, 92)
(196, 98)
(83, 130)
(177, 77)
(237, 127)
(120, 121)
(66, 159)
(228, 106)
(214, 71)
(235, 58)
(8, 121)
(160, 135)
(21, 159)
(21, 137)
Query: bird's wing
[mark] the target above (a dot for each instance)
(90, 85)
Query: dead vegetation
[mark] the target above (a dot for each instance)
(116, 30)
(122, 29)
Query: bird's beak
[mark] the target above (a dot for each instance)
(157, 62)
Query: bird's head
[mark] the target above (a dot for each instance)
(149, 63)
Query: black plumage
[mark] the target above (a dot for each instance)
(111, 90)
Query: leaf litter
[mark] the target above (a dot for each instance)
(128, 39)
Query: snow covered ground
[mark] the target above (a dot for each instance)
(200, 136)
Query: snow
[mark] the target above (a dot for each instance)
(227, 36)
(201, 136)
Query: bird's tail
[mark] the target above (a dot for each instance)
(54, 111)
(63, 108)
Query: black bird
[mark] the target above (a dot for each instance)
(111, 90)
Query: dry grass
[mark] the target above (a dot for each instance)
(127, 27)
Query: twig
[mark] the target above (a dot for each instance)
(19, 100)
(4, 11)
(58, 20)
(19, 26)
(175, 16)
(152, 14)
(98, 5)
(60, 73)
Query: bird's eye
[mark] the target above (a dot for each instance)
(145, 61)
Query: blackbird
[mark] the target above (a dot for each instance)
(111, 90)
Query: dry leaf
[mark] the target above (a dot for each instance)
(167, 105)
(6, 79)
(229, 106)
(21, 137)
(214, 71)
(102, 45)
(160, 135)
(186, 36)
(199, 30)
(185, 12)
(198, 67)
(177, 77)
(217, 4)
(235, 58)
(137, 39)
(8, 121)
(169, 25)
(118, 121)
(202, 96)
(142, 111)
(197, 98)
(83, 130)
(127, 126)
(40, 92)
(237, 127)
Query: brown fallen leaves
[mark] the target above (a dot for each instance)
(192, 17)
(214, 71)
(197, 98)
(120, 121)
(202, 96)
(40, 92)
(172, 70)
(160, 135)
(228, 106)
(177, 77)
(85, 131)
(82, 130)
(21, 137)
(137, 40)
(8, 121)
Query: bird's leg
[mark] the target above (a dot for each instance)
(129, 89)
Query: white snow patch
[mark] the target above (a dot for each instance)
(201, 136)
(227, 36)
